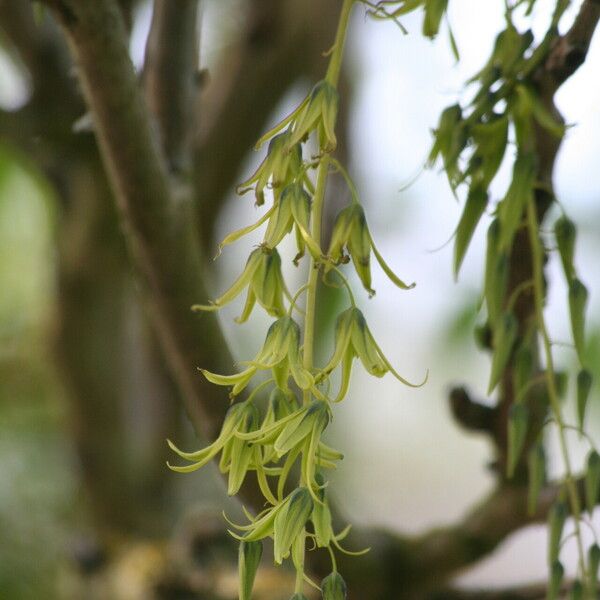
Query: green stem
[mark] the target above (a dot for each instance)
(538, 282)
(313, 277)
(332, 77)
(335, 62)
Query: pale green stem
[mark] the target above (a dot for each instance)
(332, 77)
(335, 62)
(313, 277)
(538, 282)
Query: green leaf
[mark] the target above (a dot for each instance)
(249, 556)
(584, 386)
(565, 233)
(578, 296)
(536, 464)
(496, 273)
(505, 334)
(450, 140)
(475, 206)
(519, 194)
(540, 113)
(518, 419)
(577, 591)
(490, 140)
(593, 564)
(556, 522)
(522, 367)
(592, 480)
(557, 573)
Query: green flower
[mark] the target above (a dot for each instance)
(317, 112)
(292, 211)
(284, 523)
(280, 353)
(282, 165)
(262, 276)
(238, 418)
(353, 339)
(350, 232)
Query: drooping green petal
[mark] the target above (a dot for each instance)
(359, 248)
(242, 453)
(281, 222)
(239, 380)
(340, 234)
(388, 271)
(238, 285)
(290, 521)
(364, 346)
(236, 235)
(343, 332)
(297, 430)
(248, 306)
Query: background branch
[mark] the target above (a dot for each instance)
(165, 249)
(170, 71)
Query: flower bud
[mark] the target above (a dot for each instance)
(320, 112)
(290, 521)
(333, 587)
(249, 556)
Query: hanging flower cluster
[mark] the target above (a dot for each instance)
(282, 442)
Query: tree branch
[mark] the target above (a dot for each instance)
(164, 246)
(169, 75)
(472, 415)
(571, 49)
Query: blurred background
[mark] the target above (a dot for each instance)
(85, 400)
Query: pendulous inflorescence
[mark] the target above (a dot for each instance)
(282, 442)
